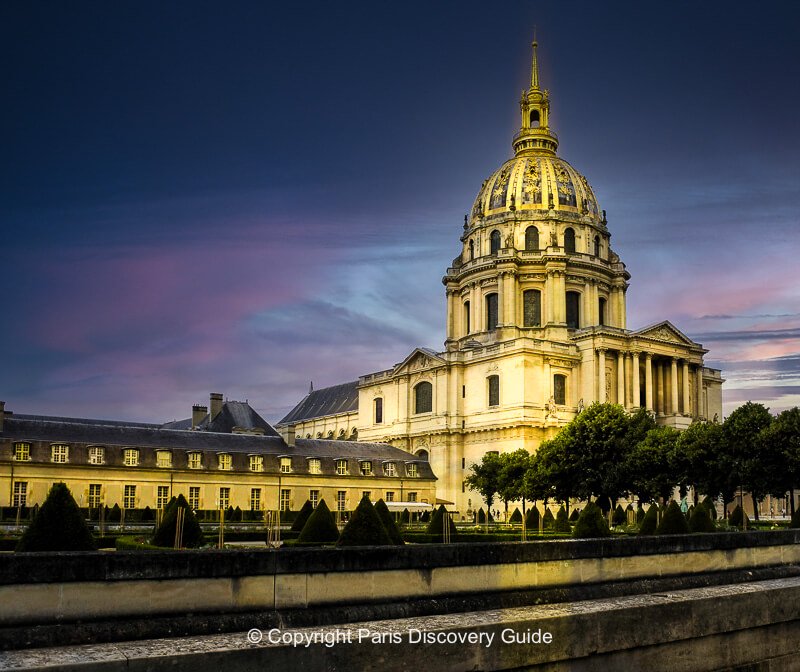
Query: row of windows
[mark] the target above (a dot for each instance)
(130, 498)
(342, 435)
(60, 454)
(532, 242)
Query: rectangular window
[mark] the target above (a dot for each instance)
(341, 467)
(60, 453)
(131, 457)
(129, 497)
(560, 389)
(286, 465)
(194, 497)
(341, 500)
(389, 496)
(378, 411)
(412, 496)
(195, 460)
(411, 470)
(162, 496)
(286, 495)
(366, 468)
(163, 459)
(20, 493)
(314, 466)
(313, 497)
(255, 499)
(97, 454)
(531, 308)
(491, 312)
(573, 310)
(224, 498)
(95, 491)
(389, 469)
(367, 494)
(463, 462)
(256, 463)
(225, 461)
(494, 390)
(22, 452)
(467, 325)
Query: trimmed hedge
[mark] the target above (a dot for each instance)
(59, 525)
(320, 528)
(795, 521)
(135, 544)
(436, 526)
(711, 507)
(388, 522)
(302, 517)
(738, 518)
(516, 517)
(364, 527)
(532, 519)
(591, 523)
(619, 517)
(562, 522)
(165, 534)
(673, 521)
(548, 519)
(700, 520)
(650, 521)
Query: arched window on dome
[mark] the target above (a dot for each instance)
(467, 323)
(494, 242)
(423, 398)
(597, 246)
(601, 311)
(471, 250)
(560, 389)
(569, 241)
(491, 312)
(573, 310)
(531, 308)
(534, 119)
(531, 238)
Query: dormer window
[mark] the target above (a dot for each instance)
(96, 455)
(59, 453)
(286, 465)
(163, 459)
(314, 466)
(225, 461)
(130, 457)
(366, 467)
(256, 463)
(22, 452)
(389, 469)
(411, 470)
(195, 460)
(341, 467)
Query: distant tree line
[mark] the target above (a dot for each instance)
(606, 454)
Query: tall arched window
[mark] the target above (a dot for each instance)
(597, 246)
(423, 398)
(491, 312)
(531, 308)
(378, 410)
(531, 238)
(534, 119)
(494, 242)
(493, 383)
(560, 389)
(601, 311)
(471, 250)
(573, 310)
(467, 323)
(569, 241)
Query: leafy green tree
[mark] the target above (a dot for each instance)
(320, 528)
(591, 523)
(58, 526)
(511, 479)
(781, 442)
(364, 527)
(648, 468)
(742, 431)
(673, 521)
(485, 477)
(192, 536)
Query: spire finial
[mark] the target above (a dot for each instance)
(534, 63)
(311, 387)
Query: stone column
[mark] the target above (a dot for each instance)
(674, 385)
(501, 309)
(699, 392)
(511, 299)
(635, 380)
(549, 299)
(559, 297)
(659, 389)
(601, 375)
(450, 315)
(686, 409)
(648, 381)
(621, 378)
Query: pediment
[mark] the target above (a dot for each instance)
(665, 331)
(419, 360)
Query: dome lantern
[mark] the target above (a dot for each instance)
(535, 136)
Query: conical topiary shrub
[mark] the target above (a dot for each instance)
(192, 536)
(320, 528)
(619, 517)
(548, 520)
(673, 521)
(795, 521)
(562, 521)
(305, 513)
(516, 517)
(640, 514)
(114, 515)
(58, 526)
(425, 517)
(364, 527)
(739, 518)
(532, 519)
(711, 507)
(591, 523)
(388, 522)
(573, 517)
(147, 515)
(700, 520)
(436, 526)
(650, 521)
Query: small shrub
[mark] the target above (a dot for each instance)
(320, 528)
(700, 520)
(619, 517)
(640, 514)
(795, 521)
(573, 517)
(591, 523)
(436, 526)
(114, 515)
(532, 519)
(562, 521)
(516, 517)
(147, 515)
(405, 517)
(388, 522)
(548, 520)
(738, 518)
(305, 513)
(59, 525)
(650, 520)
(425, 517)
(673, 521)
(711, 507)
(165, 534)
(364, 527)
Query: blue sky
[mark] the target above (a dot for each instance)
(242, 198)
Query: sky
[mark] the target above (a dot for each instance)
(245, 197)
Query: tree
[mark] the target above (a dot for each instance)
(485, 477)
(706, 463)
(648, 466)
(511, 479)
(591, 523)
(58, 526)
(192, 534)
(320, 528)
(364, 527)
(673, 521)
(742, 430)
(781, 441)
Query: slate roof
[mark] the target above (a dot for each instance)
(325, 401)
(234, 415)
(58, 418)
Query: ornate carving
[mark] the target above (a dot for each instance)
(664, 334)
(563, 363)
(551, 408)
(580, 405)
(531, 183)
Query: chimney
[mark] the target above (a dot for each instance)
(2, 414)
(287, 434)
(198, 413)
(215, 405)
